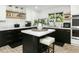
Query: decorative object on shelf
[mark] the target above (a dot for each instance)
(21, 10)
(67, 16)
(15, 13)
(16, 9)
(9, 7)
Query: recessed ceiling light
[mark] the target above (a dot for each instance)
(36, 7)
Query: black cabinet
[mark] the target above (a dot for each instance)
(62, 36)
(9, 37)
(5, 37)
(16, 38)
(30, 44)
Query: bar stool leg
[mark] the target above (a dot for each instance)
(53, 47)
(48, 49)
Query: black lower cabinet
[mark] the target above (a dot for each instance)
(10, 37)
(30, 44)
(5, 37)
(16, 40)
(62, 36)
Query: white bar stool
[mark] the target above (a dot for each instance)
(48, 41)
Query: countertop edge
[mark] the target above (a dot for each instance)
(12, 28)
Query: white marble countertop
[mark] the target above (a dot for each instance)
(13, 28)
(37, 33)
(57, 27)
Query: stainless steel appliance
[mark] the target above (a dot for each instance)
(16, 25)
(28, 23)
(66, 25)
(75, 20)
(75, 27)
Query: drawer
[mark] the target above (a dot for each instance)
(75, 41)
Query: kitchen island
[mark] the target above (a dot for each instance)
(31, 43)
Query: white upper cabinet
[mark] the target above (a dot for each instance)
(2, 12)
(75, 9)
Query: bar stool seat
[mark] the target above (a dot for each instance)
(48, 41)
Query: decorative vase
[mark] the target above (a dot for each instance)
(39, 27)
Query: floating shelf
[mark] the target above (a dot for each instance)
(15, 15)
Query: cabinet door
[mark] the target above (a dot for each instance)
(66, 36)
(5, 37)
(59, 36)
(30, 44)
(63, 36)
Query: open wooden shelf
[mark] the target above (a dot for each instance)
(15, 15)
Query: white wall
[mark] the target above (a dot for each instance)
(30, 14)
(75, 9)
(2, 15)
(2, 12)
